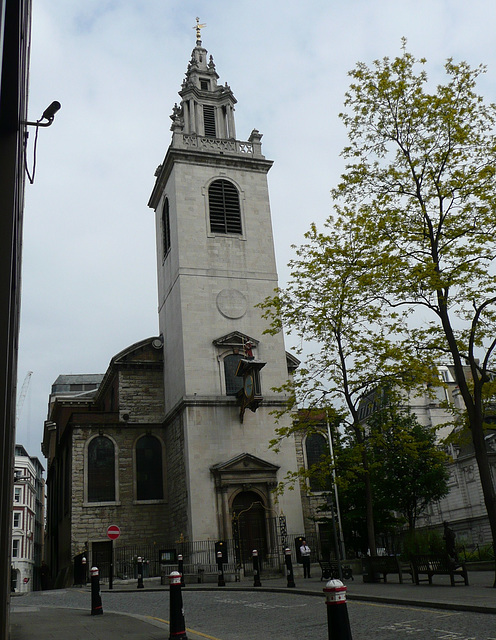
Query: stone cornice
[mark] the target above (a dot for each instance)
(215, 401)
(218, 159)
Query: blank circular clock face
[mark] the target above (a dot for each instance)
(249, 386)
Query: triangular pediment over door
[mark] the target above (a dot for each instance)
(243, 469)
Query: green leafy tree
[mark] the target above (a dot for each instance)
(421, 185)
(408, 471)
(352, 497)
(330, 302)
(411, 469)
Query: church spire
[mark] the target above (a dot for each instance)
(206, 108)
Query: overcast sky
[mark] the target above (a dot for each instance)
(89, 276)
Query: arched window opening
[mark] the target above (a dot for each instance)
(166, 241)
(233, 382)
(101, 470)
(316, 448)
(149, 477)
(224, 207)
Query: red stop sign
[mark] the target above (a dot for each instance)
(113, 532)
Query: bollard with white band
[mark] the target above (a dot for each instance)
(289, 567)
(338, 622)
(256, 569)
(96, 599)
(140, 573)
(180, 568)
(177, 625)
(221, 581)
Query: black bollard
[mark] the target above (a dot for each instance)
(289, 567)
(338, 622)
(96, 599)
(256, 569)
(140, 573)
(180, 568)
(220, 582)
(177, 627)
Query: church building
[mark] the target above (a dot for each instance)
(172, 442)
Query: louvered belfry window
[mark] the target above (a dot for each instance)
(209, 120)
(225, 211)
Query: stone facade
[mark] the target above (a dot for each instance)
(126, 405)
(464, 506)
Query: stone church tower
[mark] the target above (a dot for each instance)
(215, 262)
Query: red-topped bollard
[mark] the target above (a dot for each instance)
(338, 622)
(256, 569)
(96, 599)
(177, 628)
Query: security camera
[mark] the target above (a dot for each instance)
(50, 111)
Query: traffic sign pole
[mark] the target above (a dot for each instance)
(113, 532)
(111, 571)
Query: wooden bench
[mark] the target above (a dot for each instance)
(433, 565)
(198, 572)
(189, 571)
(229, 568)
(330, 570)
(378, 567)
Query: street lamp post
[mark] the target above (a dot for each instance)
(336, 497)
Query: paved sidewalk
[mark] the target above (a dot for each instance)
(74, 624)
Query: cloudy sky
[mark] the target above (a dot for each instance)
(89, 278)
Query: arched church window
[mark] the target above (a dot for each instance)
(101, 470)
(166, 241)
(149, 477)
(224, 207)
(316, 448)
(233, 382)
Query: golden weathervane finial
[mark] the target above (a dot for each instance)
(198, 28)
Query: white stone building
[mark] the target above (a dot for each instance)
(27, 521)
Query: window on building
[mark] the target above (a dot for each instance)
(166, 242)
(233, 382)
(204, 85)
(17, 494)
(101, 470)
(316, 447)
(17, 519)
(209, 120)
(149, 476)
(15, 548)
(224, 207)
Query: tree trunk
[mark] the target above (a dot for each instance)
(475, 414)
(488, 491)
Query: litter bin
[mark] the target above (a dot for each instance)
(368, 574)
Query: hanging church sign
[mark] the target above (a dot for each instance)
(250, 394)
